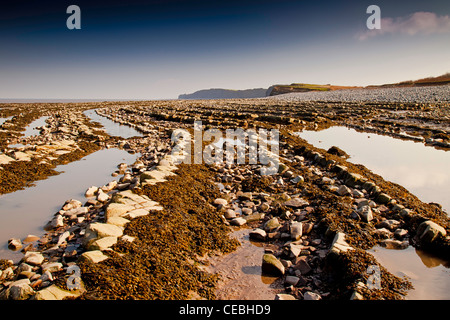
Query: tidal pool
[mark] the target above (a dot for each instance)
(113, 128)
(429, 275)
(26, 211)
(31, 130)
(424, 171)
(2, 120)
(241, 273)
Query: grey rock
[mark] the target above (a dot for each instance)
(366, 213)
(311, 296)
(344, 190)
(296, 203)
(238, 221)
(14, 244)
(394, 244)
(258, 234)
(284, 296)
(296, 230)
(429, 231)
(271, 265)
(33, 258)
(390, 224)
(291, 280)
(271, 224)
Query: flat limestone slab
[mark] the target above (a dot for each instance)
(135, 213)
(4, 159)
(103, 243)
(94, 256)
(117, 209)
(55, 293)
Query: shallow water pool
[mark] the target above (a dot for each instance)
(26, 211)
(424, 171)
(113, 128)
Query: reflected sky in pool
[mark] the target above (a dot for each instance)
(423, 170)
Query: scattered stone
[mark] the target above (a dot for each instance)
(103, 243)
(344, 190)
(307, 227)
(91, 192)
(394, 244)
(400, 233)
(258, 234)
(302, 265)
(230, 214)
(71, 204)
(51, 266)
(366, 213)
(14, 244)
(100, 230)
(238, 221)
(296, 230)
(102, 196)
(33, 258)
(271, 224)
(429, 231)
(339, 244)
(220, 202)
(296, 203)
(30, 238)
(128, 238)
(271, 265)
(389, 224)
(383, 198)
(311, 296)
(291, 280)
(117, 221)
(20, 291)
(297, 179)
(56, 222)
(284, 296)
(135, 213)
(55, 293)
(94, 256)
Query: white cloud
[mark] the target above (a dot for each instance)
(416, 23)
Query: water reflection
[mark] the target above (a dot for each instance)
(241, 272)
(429, 275)
(423, 170)
(113, 128)
(2, 120)
(26, 211)
(31, 130)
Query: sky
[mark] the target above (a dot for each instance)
(160, 49)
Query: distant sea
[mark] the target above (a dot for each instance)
(69, 100)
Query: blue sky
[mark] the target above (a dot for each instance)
(160, 49)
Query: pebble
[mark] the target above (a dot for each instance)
(220, 201)
(30, 238)
(91, 191)
(296, 230)
(230, 214)
(238, 221)
(366, 213)
(311, 296)
(258, 234)
(271, 265)
(344, 190)
(14, 244)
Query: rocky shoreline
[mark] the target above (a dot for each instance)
(315, 218)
